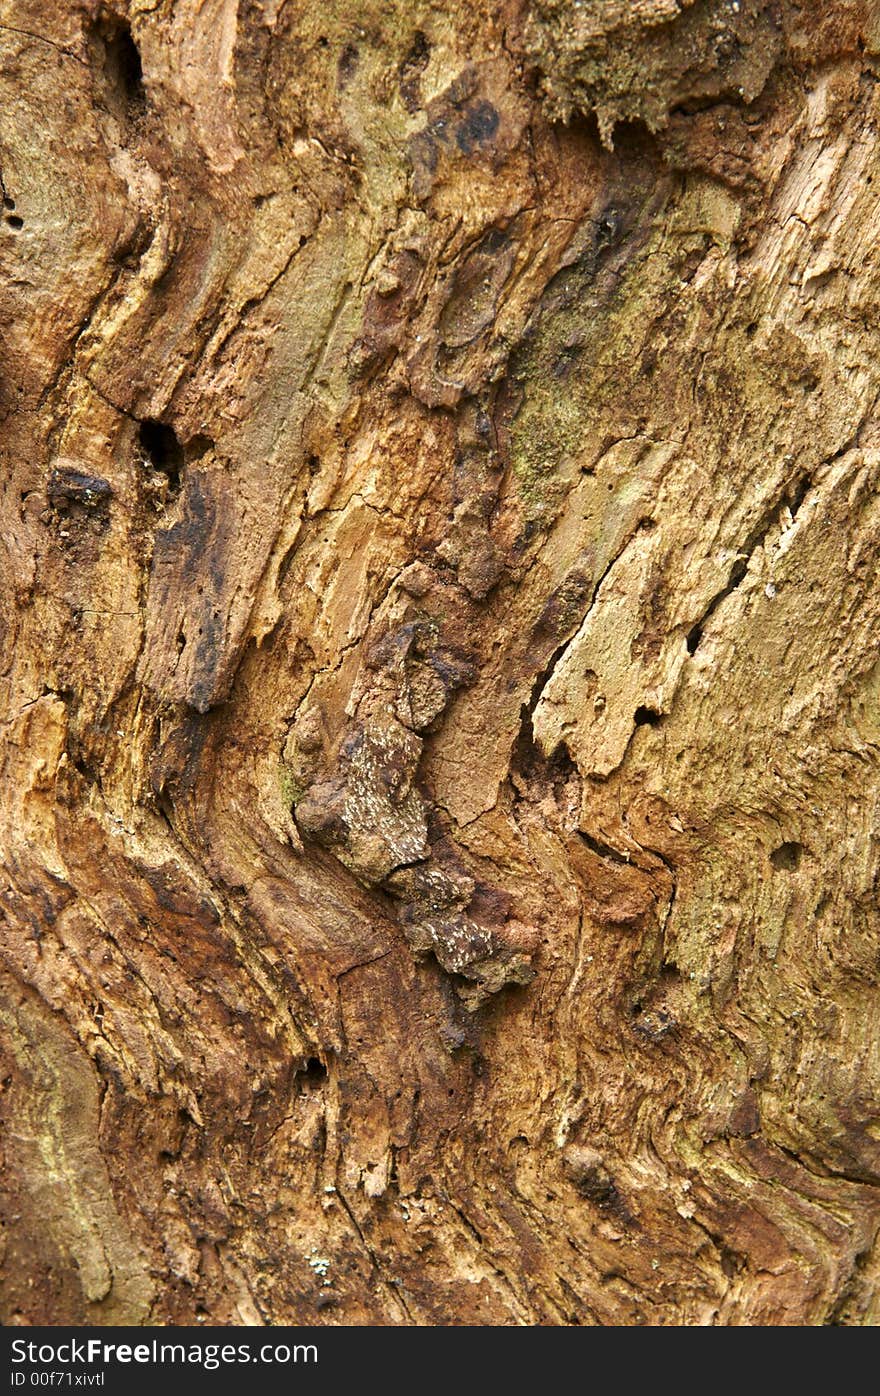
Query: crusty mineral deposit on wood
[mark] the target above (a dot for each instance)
(440, 688)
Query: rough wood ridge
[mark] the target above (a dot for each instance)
(440, 685)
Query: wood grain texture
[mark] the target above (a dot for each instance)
(440, 684)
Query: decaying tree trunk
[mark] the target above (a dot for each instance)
(440, 693)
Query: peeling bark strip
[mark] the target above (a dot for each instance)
(440, 680)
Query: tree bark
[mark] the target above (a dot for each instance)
(440, 688)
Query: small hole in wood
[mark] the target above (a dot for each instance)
(162, 450)
(122, 62)
(787, 857)
(197, 446)
(314, 1073)
(646, 717)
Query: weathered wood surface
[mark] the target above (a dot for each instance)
(440, 696)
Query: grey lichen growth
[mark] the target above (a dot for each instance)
(360, 799)
(370, 814)
(626, 62)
